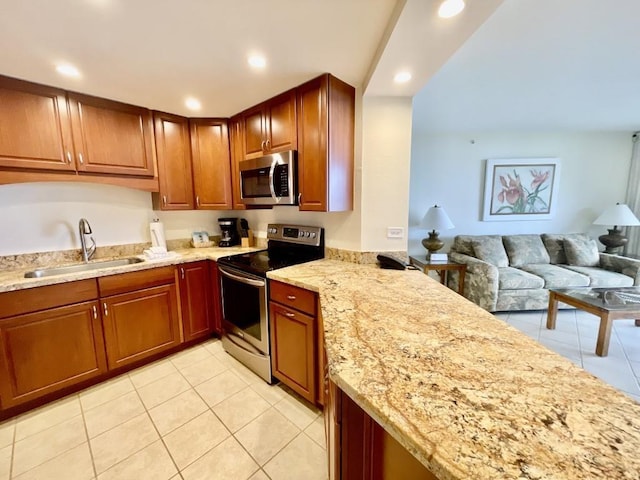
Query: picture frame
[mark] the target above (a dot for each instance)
(517, 189)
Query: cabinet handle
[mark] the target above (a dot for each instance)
(182, 272)
(164, 200)
(300, 197)
(262, 145)
(68, 157)
(289, 314)
(106, 309)
(95, 312)
(80, 158)
(268, 144)
(197, 200)
(291, 297)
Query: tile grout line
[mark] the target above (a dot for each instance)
(86, 432)
(13, 448)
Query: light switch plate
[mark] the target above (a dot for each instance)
(395, 232)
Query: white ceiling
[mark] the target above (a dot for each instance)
(155, 53)
(501, 64)
(541, 65)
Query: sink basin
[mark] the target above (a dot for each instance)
(81, 267)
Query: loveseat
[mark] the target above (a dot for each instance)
(515, 272)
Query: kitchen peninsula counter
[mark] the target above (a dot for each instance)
(467, 394)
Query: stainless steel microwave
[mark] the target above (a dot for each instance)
(269, 180)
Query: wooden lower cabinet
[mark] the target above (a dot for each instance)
(360, 449)
(216, 298)
(293, 351)
(195, 300)
(296, 336)
(47, 351)
(140, 324)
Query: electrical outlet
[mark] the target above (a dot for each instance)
(395, 232)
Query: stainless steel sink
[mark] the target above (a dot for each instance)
(81, 267)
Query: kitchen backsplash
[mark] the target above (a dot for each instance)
(60, 257)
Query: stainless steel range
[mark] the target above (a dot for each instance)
(244, 289)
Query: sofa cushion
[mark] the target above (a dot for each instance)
(554, 244)
(602, 278)
(582, 252)
(491, 250)
(525, 249)
(464, 243)
(513, 278)
(557, 277)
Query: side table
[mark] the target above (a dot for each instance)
(442, 268)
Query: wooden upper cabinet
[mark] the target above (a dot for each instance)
(326, 112)
(270, 127)
(35, 132)
(111, 137)
(211, 163)
(174, 162)
(236, 134)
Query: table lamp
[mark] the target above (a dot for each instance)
(435, 219)
(621, 215)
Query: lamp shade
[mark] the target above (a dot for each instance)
(619, 214)
(436, 219)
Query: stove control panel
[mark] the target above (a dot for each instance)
(295, 234)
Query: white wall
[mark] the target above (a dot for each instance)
(385, 178)
(448, 169)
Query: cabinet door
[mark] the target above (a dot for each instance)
(254, 131)
(326, 111)
(293, 349)
(174, 161)
(111, 137)
(35, 131)
(195, 300)
(236, 134)
(216, 298)
(280, 123)
(47, 351)
(140, 324)
(211, 164)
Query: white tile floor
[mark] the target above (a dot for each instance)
(198, 414)
(575, 338)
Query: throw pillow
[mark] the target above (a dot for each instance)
(491, 250)
(555, 245)
(582, 252)
(525, 250)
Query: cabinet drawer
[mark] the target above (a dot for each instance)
(294, 297)
(128, 282)
(40, 298)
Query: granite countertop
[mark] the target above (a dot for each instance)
(14, 279)
(469, 395)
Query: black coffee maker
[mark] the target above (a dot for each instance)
(229, 229)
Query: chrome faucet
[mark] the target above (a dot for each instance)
(85, 229)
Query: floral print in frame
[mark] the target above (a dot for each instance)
(521, 189)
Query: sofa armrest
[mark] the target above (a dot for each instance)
(481, 281)
(627, 266)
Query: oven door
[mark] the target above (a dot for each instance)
(244, 308)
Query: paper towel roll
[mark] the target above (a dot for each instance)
(157, 234)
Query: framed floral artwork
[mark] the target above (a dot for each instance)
(521, 189)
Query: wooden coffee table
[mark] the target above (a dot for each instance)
(608, 303)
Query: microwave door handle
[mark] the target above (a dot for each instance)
(272, 171)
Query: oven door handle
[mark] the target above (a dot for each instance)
(272, 172)
(248, 281)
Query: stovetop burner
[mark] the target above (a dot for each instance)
(288, 245)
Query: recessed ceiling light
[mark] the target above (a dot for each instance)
(67, 70)
(193, 103)
(257, 61)
(450, 8)
(402, 77)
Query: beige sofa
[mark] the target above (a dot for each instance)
(515, 272)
